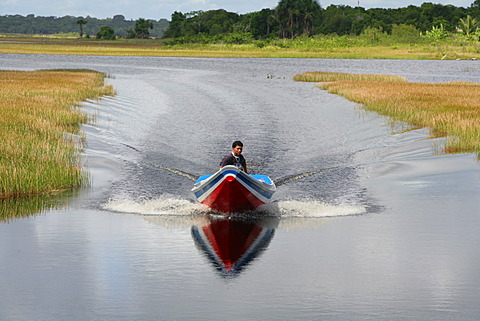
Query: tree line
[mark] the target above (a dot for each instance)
(293, 18)
(86, 26)
(289, 19)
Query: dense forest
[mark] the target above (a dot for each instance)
(52, 25)
(290, 19)
(293, 18)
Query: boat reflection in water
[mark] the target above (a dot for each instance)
(232, 243)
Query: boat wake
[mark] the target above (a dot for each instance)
(168, 205)
(163, 205)
(312, 209)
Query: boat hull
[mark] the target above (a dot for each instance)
(231, 191)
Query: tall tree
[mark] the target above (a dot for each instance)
(296, 17)
(175, 28)
(106, 33)
(260, 24)
(339, 19)
(475, 8)
(142, 27)
(81, 22)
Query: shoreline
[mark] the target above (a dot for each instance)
(453, 49)
(39, 112)
(449, 109)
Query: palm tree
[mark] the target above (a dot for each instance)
(81, 22)
(142, 27)
(308, 22)
(296, 17)
(468, 25)
(271, 21)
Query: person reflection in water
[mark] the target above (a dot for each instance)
(235, 158)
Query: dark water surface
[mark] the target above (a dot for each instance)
(388, 229)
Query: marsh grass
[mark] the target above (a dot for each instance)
(218, 51)
(337, 76)
(354, 47)
(449, 109)
(37, 109)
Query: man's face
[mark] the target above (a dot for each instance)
(237, 150)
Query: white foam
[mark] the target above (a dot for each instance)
(312, 209)
(164, 205)
(174, 206)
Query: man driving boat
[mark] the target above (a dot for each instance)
(235, 157)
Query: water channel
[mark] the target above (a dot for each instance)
(387, 229)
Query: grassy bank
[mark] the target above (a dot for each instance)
(38, 122)
(338, 76)
(450, 109)
(354, 47)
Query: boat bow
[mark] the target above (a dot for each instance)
(230, 190)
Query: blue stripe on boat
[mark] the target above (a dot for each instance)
(267, 180)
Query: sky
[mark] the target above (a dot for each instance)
(158, 9)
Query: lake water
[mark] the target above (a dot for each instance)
(388, 228)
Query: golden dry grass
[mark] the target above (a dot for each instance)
(36, 110)
(449, 108)
(320, 76)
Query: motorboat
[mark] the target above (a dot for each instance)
(230, 190)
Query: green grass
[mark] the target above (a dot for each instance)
(39, 122)
(335, 76)
(351, 47)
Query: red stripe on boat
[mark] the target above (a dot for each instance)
(232, 197)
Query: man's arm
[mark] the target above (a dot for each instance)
(225, 161)
(244, 165)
